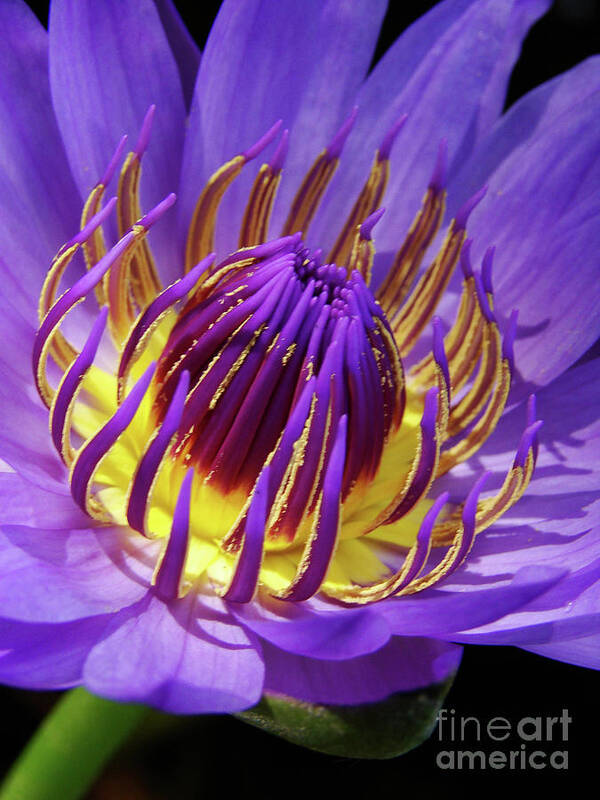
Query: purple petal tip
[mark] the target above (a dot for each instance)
(531, 409)
(146, 130)
(112, 165)
(94, 223)
(527, 442)
(276, 163)
(439, 351)
(509, 339)
(367, 227)
(483, 299)
(438, 178)
(387, 143)
(264, 140)
(464, 212)
(486, 270)
(337, 143)
(156, 213)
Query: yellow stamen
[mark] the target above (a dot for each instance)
(367, 201)
(143, 280)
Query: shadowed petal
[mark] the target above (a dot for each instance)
(527, 118)
(442, 612)
(569, 610)
(562, 498)
(402, 665)
(180, 657)
(584, 652)
(57, 576)
(24, 440)
(336, 634)
(47, 656)
(23, 503)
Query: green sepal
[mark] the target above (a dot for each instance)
(385, 729)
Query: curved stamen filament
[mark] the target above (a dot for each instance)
(118, 288)
(66, 395)
(317, 180)
(255, 224)
(170, 568)
(150, 318)
(60, 349)
(370, 196)
(362, 252)
(47, 330)
(409, 323)
(143, 280)
(140, 491)
(493, 411)
(423, 229)
(320, 547)
(201, 232)
(91, 454)
(94, 248)
(246, 572)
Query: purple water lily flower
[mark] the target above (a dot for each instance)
(278, 438)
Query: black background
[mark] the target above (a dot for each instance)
(194, 758)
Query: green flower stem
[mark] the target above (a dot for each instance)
(70, 748)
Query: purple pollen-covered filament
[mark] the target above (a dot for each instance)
(146, 130)
(71, 297)
(509, 339)
(149, 465)
(321, 544)
(486, 270)
(367, 226)
(72, 381)
(465, 259)
(528, 442)
(247, 569)
(440, 171)
(423, 543)
(263, 142)
(483, 300)
(168, 577)
(469, 516)
(278, 159)
(93, 224)
(385, 148)
(113, 163)
(465, 211)
(93, 452)
(429, 449)
(531, 418)
(87, 283)
(335, 147)
(156, 309)
(439, 354)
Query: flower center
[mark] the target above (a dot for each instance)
(270, 333)
(258, 417)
